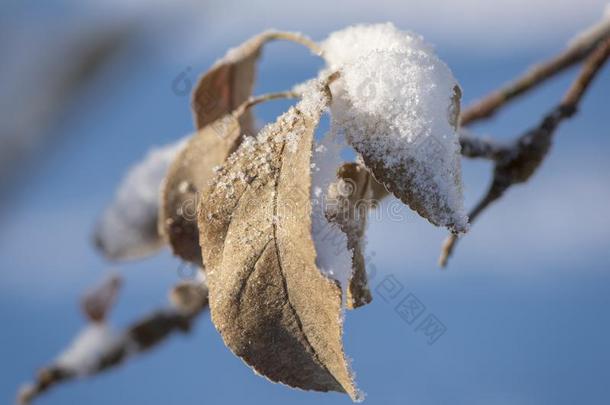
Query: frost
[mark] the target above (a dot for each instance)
(83, 355)
(395, 102)
(313, 96)
(128, 227)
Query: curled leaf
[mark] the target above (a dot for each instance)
(189, 174)
(349, 200)
(228, 84)
(128, 227)
(268, 299)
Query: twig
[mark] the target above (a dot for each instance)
(137, 338)
(519, 162)
(592, 66)
(254, 100)
(574, 53)
(298, 38)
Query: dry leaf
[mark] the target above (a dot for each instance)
(349, 201)
(228, 84)
(189, 174)
(268, 299)
(97, 303)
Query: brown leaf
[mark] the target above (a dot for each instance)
(349, 200)
(228, 84)
(189, 174)
(97, 303)
(268, 299)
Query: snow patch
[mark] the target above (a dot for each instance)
(332, 256)
(395, 103)
(83, 355)
(128, 228)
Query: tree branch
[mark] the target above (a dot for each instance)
(517, 163)
(578, 50)
(139, 337)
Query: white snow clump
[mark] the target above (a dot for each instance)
(128, 228)
(397, 104)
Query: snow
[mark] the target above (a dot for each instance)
(393, 102)
(128, 227)
(83, 355)
(332, 256)
(345, 46)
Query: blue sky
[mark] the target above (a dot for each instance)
(524, 300)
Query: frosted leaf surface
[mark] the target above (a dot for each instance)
(128, 228)
(397, 104)
(268, 299)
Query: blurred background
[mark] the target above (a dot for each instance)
(87, 87)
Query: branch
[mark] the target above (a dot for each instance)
(299, 39)
(517, 163)
(577, 50)
(102, 354)
(254, 100)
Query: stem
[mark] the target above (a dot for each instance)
(298, 38)
(580, 86)
(518, 163)
(254, 100)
